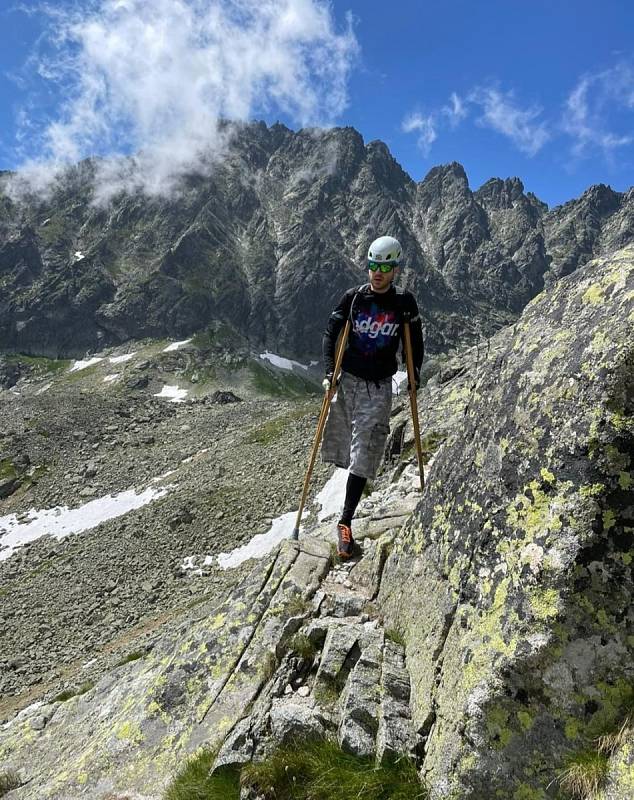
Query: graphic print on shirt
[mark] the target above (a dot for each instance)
(373, 329)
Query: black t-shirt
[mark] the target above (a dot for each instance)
(376, 331)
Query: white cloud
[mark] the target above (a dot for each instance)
(427, 126)
(589, 105)
(456, 111)
(424, 126)
(155, 78)
(501, 113)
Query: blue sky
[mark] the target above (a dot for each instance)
(544, 91)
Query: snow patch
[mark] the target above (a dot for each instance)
(88, 363)
(173, 393)
(262, 543)
(79, 256)
(189, 459)
(110, 378)
(163, 476)
(281, 362)
(121, 359)
(330, 499)
(175, 345)
(332, 495)
(44, 388)
(24, 713)
(62, 521)
(397, 379)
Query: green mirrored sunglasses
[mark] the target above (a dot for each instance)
(374, 265)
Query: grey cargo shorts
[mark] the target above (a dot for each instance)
(358, 425)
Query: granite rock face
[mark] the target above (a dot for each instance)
(271, 238)
(513, 578)
(137, 726)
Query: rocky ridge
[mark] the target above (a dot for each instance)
(518, 616)
(273, 236)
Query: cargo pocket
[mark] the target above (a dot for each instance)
(378, 437)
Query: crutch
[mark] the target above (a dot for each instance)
(412, 396)
(325, 406)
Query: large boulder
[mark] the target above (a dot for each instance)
(512, 580)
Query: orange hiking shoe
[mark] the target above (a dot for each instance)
(345, 542)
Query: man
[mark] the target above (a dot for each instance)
(358, 421)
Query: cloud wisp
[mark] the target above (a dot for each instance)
(426, 128)
(596, 116)
(501, 113)
(427, 125)
(587, 108)
(496, 110)
(155, 79)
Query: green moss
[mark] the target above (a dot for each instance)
(62, 697)
(526, 792)
(274, 429)
(40, 364)
(327, 692)
(609, 519)
(497, 726)
(525, 720)
(617, 461)
(9, 780)
(7, 468)
(297, 606)
(133, 656)
(616, 704)
(395, 635)
(302, 646)
(322, 771)
(288, 384)
(194, 782)
(268, 665)
(219, 335)
(201, 376)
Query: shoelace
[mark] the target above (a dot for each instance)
(346, 533)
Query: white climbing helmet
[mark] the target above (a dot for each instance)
(386, 249)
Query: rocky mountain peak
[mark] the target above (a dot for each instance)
(603, 196)
(497, 193)
(239, 246)
(445, 174)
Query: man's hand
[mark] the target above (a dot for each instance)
(327, 382)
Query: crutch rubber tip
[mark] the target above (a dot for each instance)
(295, 534)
